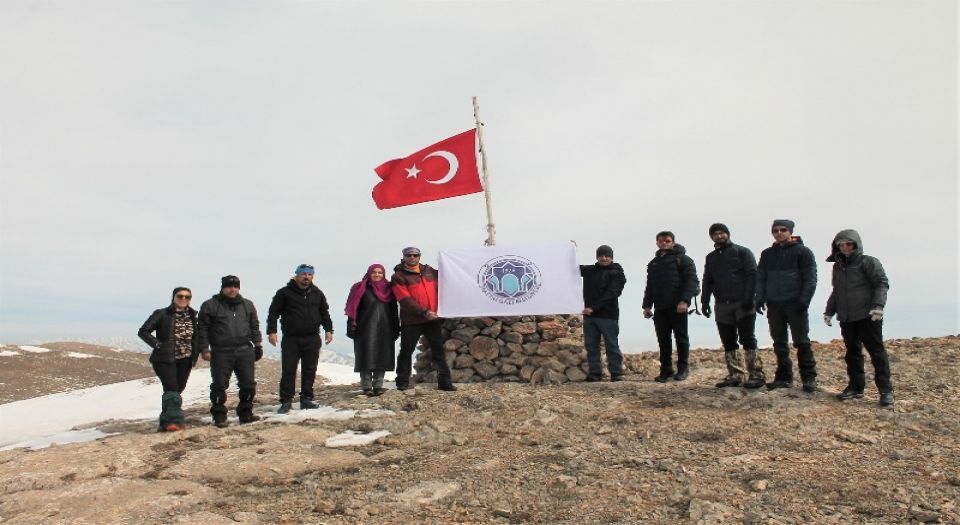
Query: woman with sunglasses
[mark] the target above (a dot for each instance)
(174, 353)
(373, 322)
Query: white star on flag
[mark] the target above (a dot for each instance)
(412, 172)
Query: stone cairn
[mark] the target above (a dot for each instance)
(542, 349)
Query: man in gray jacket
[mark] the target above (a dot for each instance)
(228, 324)
(859, 294)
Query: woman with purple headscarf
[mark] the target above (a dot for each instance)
(373, 322)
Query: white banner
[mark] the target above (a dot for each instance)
(503, 280)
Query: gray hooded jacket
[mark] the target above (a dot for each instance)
(859, 282)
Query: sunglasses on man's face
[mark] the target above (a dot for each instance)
(412, 255)
(181, 296)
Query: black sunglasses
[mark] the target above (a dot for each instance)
(181, 296)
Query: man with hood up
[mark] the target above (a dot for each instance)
(786, 281)
(671, 285)
(730, 275)
(302, 309)
(859, 295)
(603, 283)
(228, 335)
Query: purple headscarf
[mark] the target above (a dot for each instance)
(380, 288)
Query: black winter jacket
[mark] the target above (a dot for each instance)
(301, 312)
(729, 274)
(671, 278)
(602, 285)
(226, 322)
(164, 344)
(859, 282)
(377, 328)
(786, 274)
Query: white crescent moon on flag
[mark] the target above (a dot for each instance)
(454, 164)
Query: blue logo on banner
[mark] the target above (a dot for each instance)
(509, 279)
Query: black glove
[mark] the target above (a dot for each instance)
(747, 304)
(761, 306)
(707, 310)
(257, 352)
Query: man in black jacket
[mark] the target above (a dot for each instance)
(228, 335)
(302, 309)
(786, 281)
(730, 275)
(859, 295)
(671, 285)
(602, 285)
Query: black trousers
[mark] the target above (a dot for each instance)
(227, 361)
(780, 317)
(173, 376)
(742, 329)
(409, 336)
(668, 322)
(856, 335)
(303, 349)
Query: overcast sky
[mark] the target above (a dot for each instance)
(146, 145)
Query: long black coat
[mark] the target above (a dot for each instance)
(671, 278)
(377, 329)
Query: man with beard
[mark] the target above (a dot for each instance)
(302, 308)
(415, 287)
(730, 275)
(603, 283)
(671, 285)
(228, 335)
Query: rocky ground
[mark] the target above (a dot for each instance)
(629, 452)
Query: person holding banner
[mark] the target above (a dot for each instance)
(603, 283)
(415, 287)
(671, 285)
(374, 326)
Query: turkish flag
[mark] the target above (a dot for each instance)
(445, 169)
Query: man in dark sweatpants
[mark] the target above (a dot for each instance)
(228, 325)
(671, 284)
(859, 295)
(302, 309)
(415, 287)
(730, 275)
(786, 281)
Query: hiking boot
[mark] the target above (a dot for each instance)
(593, 379)
(754, 383)
(284, 408)
(662, 378)
(307, 404)
(850, 393)
(248, 418)
(221, 422)
(403, 386)
(886, 399)
(728, 382)
(368, 392)
(377, 392)
(173, 427)
(779, 383)
(447, 387)
(681, 375)
(617, 377)
(810, 385)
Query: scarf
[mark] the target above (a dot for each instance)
(380, 288)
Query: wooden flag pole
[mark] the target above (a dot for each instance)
(491, 228)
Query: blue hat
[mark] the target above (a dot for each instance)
(304, 268)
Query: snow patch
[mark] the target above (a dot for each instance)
(354, 439)
(34, 349)
(8, 353)
(78, 355)
(63, 438)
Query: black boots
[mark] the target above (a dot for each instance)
(886, 399)
(284, 408)
(307, 404)
(850, 392)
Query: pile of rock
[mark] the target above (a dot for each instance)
(542, 349)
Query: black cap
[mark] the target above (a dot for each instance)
(603, 249)
(786, 223)
(229, 281)
(719, 227)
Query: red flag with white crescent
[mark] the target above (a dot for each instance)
(445, 169)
